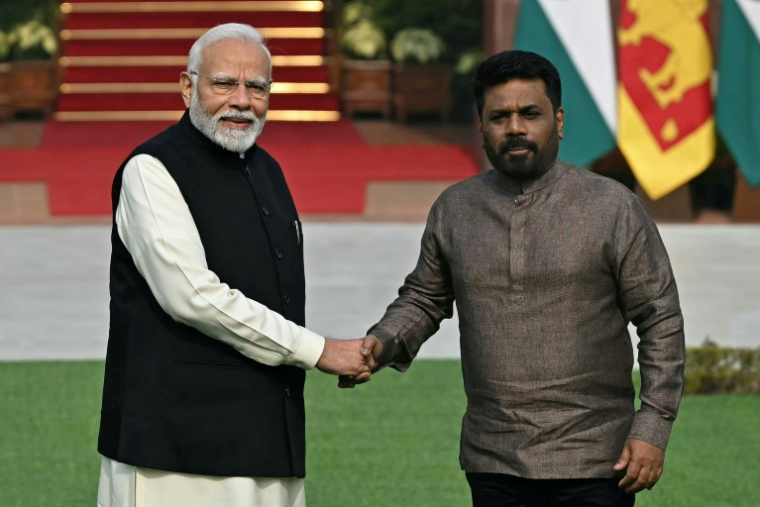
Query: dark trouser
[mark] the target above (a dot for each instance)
(501, 490)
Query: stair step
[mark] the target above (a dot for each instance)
(180, 47)
(197, 6)
(183, 33)
(170, 74)
(203, 20)
(122, 59)
(173, 116)
(101, 88)
(173, 101)
(180, 61)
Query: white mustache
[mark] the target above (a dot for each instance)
(245, 115)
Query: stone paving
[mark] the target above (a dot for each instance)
(54, 284)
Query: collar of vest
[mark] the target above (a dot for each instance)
(199, 139)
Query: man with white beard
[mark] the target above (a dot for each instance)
(203, 393)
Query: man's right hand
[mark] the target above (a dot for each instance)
(371, 350)
(344, 357)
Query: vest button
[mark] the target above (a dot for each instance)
(286, 298)
(278, 252)
(265, 210)
(287, 391)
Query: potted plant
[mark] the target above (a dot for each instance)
(463, 102)
(420, 82)
(32, 78)
(366, 71)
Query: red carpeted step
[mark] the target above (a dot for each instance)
(142, 20)
(170, 47)
(319, 74)
(90, 134)
(79, 180)
(173, 102)
(168, 1)
(292, 28)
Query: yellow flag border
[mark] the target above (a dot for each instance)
(658, 172)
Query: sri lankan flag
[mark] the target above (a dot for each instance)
(665, 119)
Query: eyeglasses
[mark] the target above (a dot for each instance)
(256, 89)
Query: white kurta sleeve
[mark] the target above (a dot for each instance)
(155, 224)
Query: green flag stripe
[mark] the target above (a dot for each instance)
(586, 134)
(737, 112)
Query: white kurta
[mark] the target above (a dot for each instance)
(157, 228)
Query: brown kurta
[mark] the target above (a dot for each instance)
(546, 279)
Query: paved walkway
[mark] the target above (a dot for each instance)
(54, 284)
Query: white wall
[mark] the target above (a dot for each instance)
(54, 284)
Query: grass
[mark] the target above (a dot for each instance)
(393, 442)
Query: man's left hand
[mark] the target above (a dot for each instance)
(644, 465)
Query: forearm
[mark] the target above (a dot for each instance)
(649, 299)
(661, 363)
(157, 228)
(407, 324)
(425, 299)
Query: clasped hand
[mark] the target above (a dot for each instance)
(353, 360)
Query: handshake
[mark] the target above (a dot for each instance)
(354, 360)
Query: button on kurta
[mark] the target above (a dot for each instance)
(278, 252)
(265, 210)
(286, 298)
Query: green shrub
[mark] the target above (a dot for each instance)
(15, 12)
(417, 45)
(711, 369)
(28, 29)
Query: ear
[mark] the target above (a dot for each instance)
(186, 88)
(560, 122)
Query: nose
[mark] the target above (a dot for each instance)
(516, 126)
(239, 98)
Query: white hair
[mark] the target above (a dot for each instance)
(228, 31)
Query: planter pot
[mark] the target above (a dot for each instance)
(366, 86)
(421, 88)
(6, 111)
(32, 85)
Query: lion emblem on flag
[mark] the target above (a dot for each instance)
(676, 25)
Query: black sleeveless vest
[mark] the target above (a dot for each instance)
(173, 398)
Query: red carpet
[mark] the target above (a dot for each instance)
(324, 178)
(131, 134)
(327, 164)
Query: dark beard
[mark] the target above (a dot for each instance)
(526, 167)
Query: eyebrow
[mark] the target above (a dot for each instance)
(226, 77)
(523, 109)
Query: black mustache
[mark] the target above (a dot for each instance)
(516, 142)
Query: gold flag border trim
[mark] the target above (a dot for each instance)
(660, 172)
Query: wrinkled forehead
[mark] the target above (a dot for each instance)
(236, 58)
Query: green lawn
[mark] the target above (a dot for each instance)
(393, 442)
